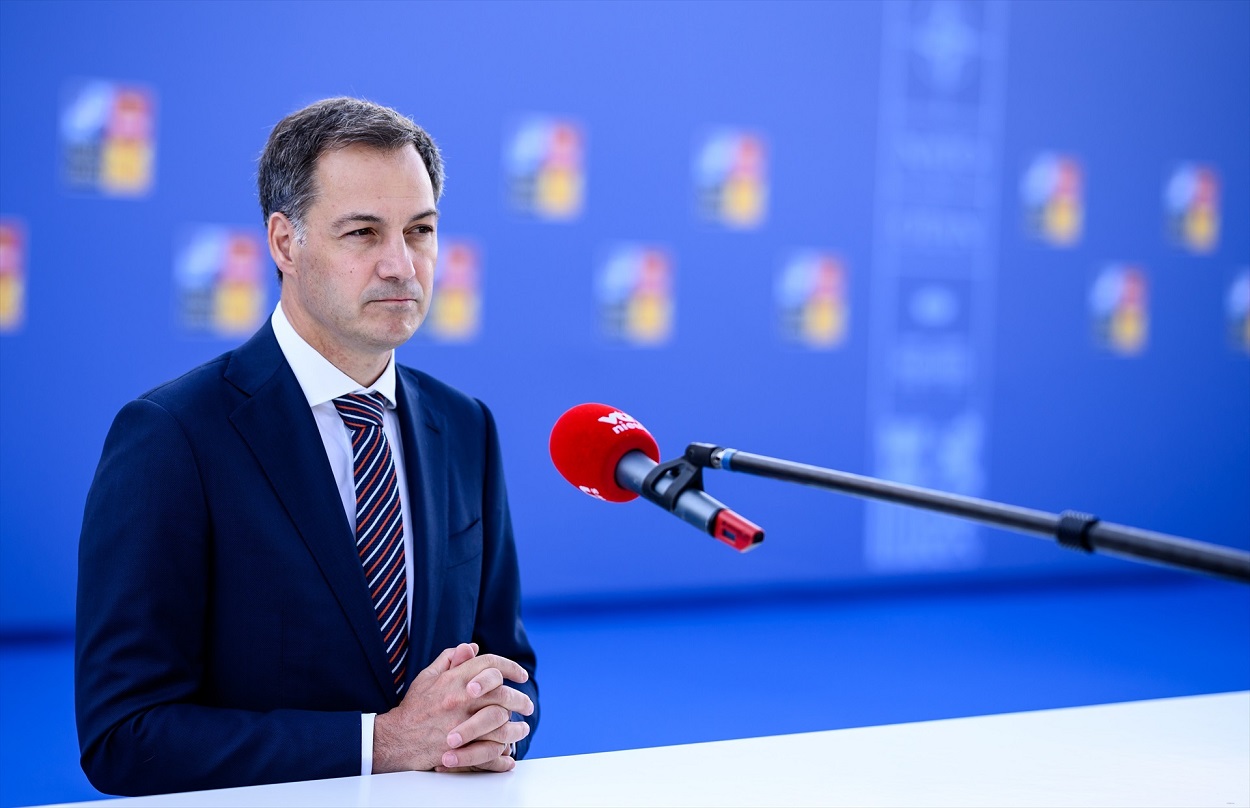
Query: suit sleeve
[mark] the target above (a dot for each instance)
(499, 627)
(143, 589)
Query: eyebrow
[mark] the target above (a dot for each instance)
(373, 218)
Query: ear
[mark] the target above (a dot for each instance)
(282, 242)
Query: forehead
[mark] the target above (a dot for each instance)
(360, 175)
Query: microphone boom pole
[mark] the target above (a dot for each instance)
(1072, 529)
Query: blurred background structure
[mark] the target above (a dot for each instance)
(994, 248)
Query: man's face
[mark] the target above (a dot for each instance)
(360, 284)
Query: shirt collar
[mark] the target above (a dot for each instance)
(320, 380)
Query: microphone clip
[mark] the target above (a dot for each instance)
(685, 475)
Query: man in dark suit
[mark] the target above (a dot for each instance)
(297, 559)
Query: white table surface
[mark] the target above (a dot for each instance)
(1192, 751)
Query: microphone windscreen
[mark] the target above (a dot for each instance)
(587, 443)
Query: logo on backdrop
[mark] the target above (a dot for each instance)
(1053, 194)
(1237, 306)
(544, 162)
(731, 179)
(456, 310)
(12, 275)
(634, 290)
(1192, 203)
(219, 281)
(946, 44)
(108, 140)
(810, 294)
(1119, 306)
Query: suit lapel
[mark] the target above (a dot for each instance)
(425, 463)
(280, 429)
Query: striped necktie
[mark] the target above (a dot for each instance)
(379, 525)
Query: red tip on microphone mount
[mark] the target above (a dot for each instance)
(686, 474)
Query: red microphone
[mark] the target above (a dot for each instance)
(589, 441)
(608, 455)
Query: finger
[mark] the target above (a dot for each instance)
(499, 764)
(484, 682)
(462, 653)
(511, 699)
(510, 670)
(510, 733)
(478, 753)
(489, 718)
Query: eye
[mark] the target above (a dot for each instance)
(364, 231)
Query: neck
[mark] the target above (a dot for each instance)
(364, 368)
(364, 373)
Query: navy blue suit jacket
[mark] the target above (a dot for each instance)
(225, 635)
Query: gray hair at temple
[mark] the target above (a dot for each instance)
(286, 176)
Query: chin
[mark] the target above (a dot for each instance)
(398, 336)
(394, 331)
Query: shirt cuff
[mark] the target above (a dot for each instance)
(366, 743)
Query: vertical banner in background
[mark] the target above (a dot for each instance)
(932, 288)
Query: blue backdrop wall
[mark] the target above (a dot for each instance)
(995, 248)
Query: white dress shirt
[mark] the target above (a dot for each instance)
(322, 382)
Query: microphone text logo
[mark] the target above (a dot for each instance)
(620, 422)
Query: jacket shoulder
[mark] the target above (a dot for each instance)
(191, 387)
(237, 372)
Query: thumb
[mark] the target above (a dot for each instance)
(462, 653)
(449, 659)
(441, 664)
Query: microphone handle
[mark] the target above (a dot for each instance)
(1071, 529)
(692, 504)
(699, 511)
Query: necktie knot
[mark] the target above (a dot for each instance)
(361, 411)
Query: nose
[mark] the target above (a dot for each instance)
(397, 260)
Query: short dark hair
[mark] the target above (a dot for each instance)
(286, 176)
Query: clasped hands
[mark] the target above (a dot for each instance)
(466, 693)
